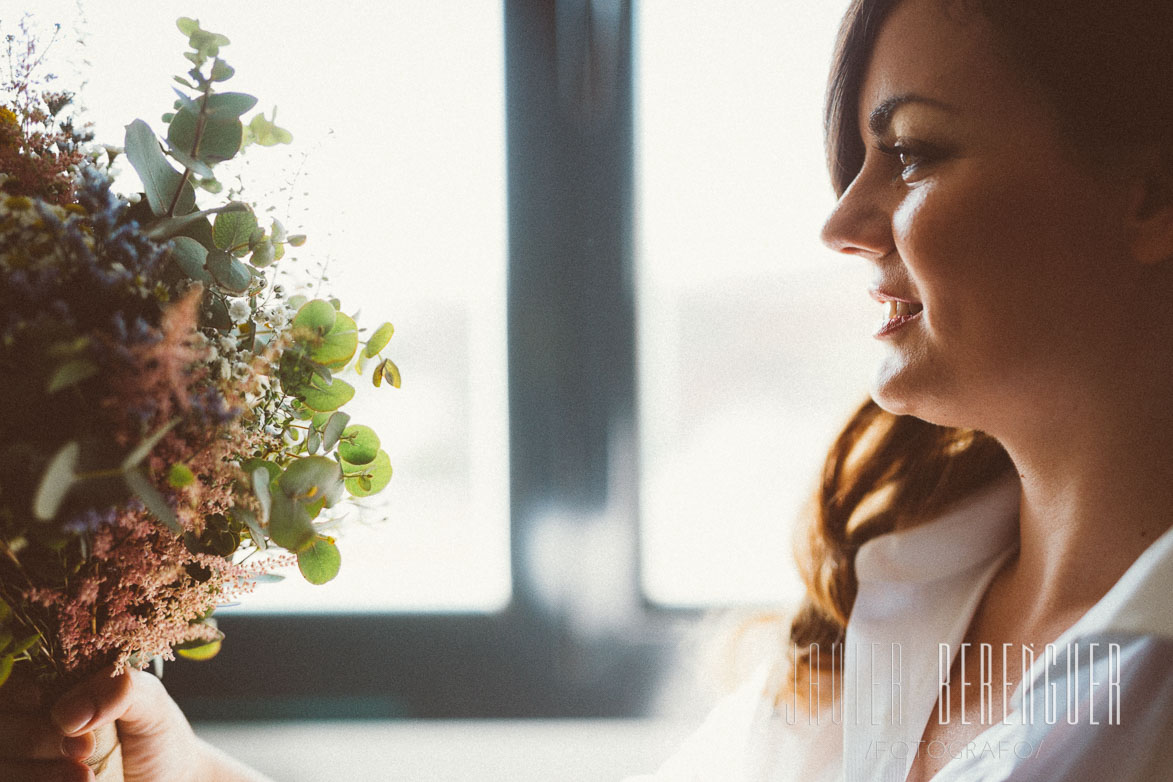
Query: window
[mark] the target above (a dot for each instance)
(397, 174)
(753, 339)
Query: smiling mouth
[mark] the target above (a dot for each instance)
(898, 313)
(899, 309)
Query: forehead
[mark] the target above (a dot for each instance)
(937, 50)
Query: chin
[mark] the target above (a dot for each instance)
(896, 395)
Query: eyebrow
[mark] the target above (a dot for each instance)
(881, 116)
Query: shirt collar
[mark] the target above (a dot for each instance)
(984, 525)
(973, 531)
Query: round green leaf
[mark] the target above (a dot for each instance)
(220, 140)
(233, 229)
(56, 481)
(229, 273)
(290, 525)
(359, 445)
(313, 441)
(333, 429)
(327, 398)
(339, 343)
(377, 475)
(317, 316)
(180, 475)
(202, 652)
(263, 255)
(186, 25)
(190, 256)
(250, 466)
(311, 477)
(320, 561)
(379, 339)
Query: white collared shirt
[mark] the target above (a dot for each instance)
(918, 589)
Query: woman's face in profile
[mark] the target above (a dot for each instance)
(972, 205)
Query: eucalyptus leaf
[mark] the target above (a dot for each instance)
(187, 161)
(320, 562)
(329, 398)
(173, 226)
(369, 479)
(222, 71)
(317, 316)
(310, 478)
(359, 445)
(339, 344)
(313, 441)
(26, 643)
(266, 132)
(71, 373)
(387, 369)
(153, 499)
(204, 651)
(263, 255)
(6, 663)
(333, 429)
(261, 478)
(56, 481)
(219, 140)
(160, 180)
(229, 273)
(140, 451)
(233, 229)
(191, 257)
(229, 104)
(379, 339)
(254, 528)
(216, 313)
(290, 525)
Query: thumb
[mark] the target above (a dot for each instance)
(135, 699)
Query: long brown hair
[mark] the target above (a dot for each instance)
(1105, 68)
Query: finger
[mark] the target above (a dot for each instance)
(96, 701)
(45, 771)
(31, 737)
(136, 699)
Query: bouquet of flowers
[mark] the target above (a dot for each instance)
(175, 425)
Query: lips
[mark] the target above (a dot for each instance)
(898, 310)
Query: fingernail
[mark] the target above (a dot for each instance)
(77, 746)
(73, 713)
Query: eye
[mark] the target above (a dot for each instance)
(910, 157)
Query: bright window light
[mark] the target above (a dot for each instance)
(754, 340)
(397, 174)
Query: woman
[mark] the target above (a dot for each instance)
(1006, 168)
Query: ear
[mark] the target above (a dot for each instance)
(1151, 217)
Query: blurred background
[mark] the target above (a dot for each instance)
(594, 224)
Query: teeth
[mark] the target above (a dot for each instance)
(898, 309)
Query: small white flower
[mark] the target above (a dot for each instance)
(227, 344)
(239, 310)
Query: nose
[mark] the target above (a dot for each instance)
(859, 224)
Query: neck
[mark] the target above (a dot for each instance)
(1096, 492)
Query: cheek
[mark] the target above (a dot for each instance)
(984, 258)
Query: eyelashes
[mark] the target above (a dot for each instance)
(911, 158)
